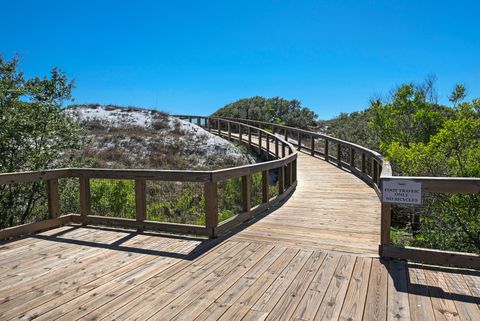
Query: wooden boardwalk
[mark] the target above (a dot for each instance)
(311, 259)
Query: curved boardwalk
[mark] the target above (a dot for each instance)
(330, 210)
(313, 258)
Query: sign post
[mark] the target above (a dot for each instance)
(405, 192)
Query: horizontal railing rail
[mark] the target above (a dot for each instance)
(282, 159)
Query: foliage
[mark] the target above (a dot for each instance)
(34, 135)
(425, 139)
(274, 110)
(113, 197)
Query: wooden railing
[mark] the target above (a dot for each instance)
(372, 167)
(281, 156)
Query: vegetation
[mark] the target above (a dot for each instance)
(33, 132)
(423, 138)
(274, 110)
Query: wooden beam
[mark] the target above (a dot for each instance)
(364, 163)
(34, 227)
(85, 207)
(141, 199)
(327, 156)
(299, 141)
(352, 157)
(281, 180)
(312, 145)
(339, 155)
(385, 222)
(229, 126)
(437, 257)
(265, 187)
(246, 193)
(211, 208)
(53, 198)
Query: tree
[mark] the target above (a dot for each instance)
(276, 110)
(34, 134)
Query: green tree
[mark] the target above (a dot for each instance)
(34, 135)
(275, 110)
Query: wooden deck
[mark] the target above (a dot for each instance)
(331, 209)
(313, 258)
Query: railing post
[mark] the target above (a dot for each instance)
(229, 130)
(294, 169)
(141, 201)
(281, 180)
(211, 208)
(265, 187)
(374, 170)
(53, 198)
(339, 154)
(312, 145)
(364, 163)
(207, 121)
(299, 141)
(260, 142)
(249, 131)
(327, 156)
(198, 121)
(219, 128)
(246, 193)
(85, 207)
(286, 135)
(283, 149)
(352, 157)
(276, 148)
(386, 213)
(268, 146)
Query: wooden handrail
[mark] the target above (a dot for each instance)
(218, 126)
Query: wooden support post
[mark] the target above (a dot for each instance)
(339, 155)
(379, 170)
(364, 163)
(299, 141)
(286, 135)
(85, 208)
(207, 121)
(352, 157)
(240, 132)
(294, 171)
(281, 180)
(283, 149)
(274, 130)
(190, 119)
(246, 193)
(327, 156)
(141, 201)
(385, 224)
(229, 131)
(265, 186)
(198, 121)
(219, 128)
(290, 173)
(268, 147)
(374, 170)
(211, 208)
(276, 148)
(249, 132)
(312, 145)
(259, 142)
(53, 198)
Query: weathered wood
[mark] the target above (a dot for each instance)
(268, 147)
(246, 193)
(299, 141)
(386, 213)
(211, 208)
(265, 186)
(34, 227)
(249, 132)
(140, 200)
(455, 185)
(53, 198)
(364, 163)
(260, 143)
(276, 149)
(229, 128)
(281, 179)
(25, 177)
(85, 207)
(312, 145)
(467, 260)
(339, 155)
(327, 155)
(352, 157)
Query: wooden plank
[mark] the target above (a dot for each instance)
(460, 259)
(442, 302)
(376, 302)
(246, 193)
(34, 227)
(419, 298)
(398, 305)
(466, 306)
(53, 196)
(354, 303)
(211, 208)
(386, 213)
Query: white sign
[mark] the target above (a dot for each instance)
(401, 192)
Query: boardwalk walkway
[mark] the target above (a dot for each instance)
(313, 258)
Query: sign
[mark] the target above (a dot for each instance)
(401, 192)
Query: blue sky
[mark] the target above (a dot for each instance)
(196, 56)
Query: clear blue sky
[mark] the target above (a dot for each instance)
(196, 56)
